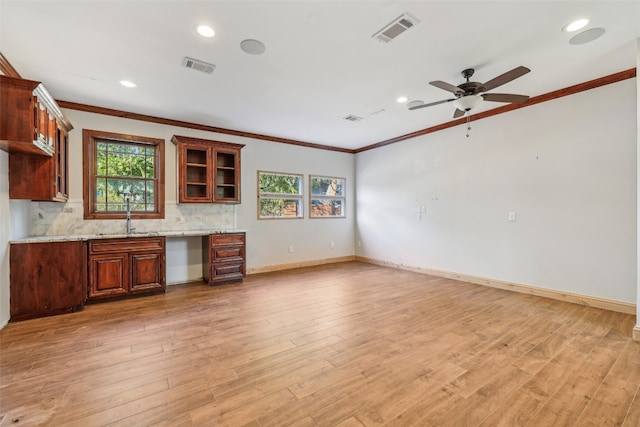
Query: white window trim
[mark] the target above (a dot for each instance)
(299, 197)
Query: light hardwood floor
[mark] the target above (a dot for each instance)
(347, 344)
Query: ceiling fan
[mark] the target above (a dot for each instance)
(469, 94)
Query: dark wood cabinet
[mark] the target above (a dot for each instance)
(147, 271)
(194, 169)
(223, 258)
(208, 171)
(119, 267)
(47, 278)
(36, 134)
(29, 117)
(108, 275)
(226, 171)
(41, 178)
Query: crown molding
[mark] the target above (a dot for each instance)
(571, 90)
(6, 68)
(189, 125)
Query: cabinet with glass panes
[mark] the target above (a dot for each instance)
(208, 171)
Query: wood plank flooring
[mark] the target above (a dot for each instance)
(347, 345)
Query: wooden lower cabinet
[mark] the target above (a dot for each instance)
(147, 272)
(47, 278)
(223, 258)
(119, 267)
(108, 275)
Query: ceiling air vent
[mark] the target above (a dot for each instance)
(395, 28)
(353, 118)
(198, 65)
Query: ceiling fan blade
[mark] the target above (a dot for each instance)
(506, 78)
(458, 113)
(504, 97)
(446, 86)
(431, 104)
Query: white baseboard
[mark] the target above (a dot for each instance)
(289, 266)
(607, 304)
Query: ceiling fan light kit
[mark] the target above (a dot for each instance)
(469, 94)
(466, 103)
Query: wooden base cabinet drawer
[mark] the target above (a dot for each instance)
(216, 240)
(223, 258)
(227, 253)
(226, 273)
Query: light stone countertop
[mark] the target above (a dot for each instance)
(82, 237)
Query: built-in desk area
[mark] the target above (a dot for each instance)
(58, 274)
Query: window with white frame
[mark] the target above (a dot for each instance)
(327, 199)
(279, 195)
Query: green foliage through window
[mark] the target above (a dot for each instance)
(124, 168)
(280, 195)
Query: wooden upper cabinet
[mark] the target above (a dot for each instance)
(41, 178)
(35, 132)
(208, 171)
(29, 117)
(194, 173)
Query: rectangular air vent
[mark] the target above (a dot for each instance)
(396, 27)
(198, 65)
(353, 118)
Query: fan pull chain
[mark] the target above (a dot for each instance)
(468, 123)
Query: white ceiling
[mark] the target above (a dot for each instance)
(320, 65)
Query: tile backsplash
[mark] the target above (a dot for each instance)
(54, 219)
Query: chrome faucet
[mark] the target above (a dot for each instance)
(127, 199)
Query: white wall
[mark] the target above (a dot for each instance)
(267, 241)
(567, 168)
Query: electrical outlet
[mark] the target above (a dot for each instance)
(424, 209)
(332, 244)
(512, 217)
(181, 220)
(290, 249)
(359, 244)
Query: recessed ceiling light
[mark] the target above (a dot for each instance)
(205, 31)
(252, 47)
(576, 25)
(127, 83)
(402, 100)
